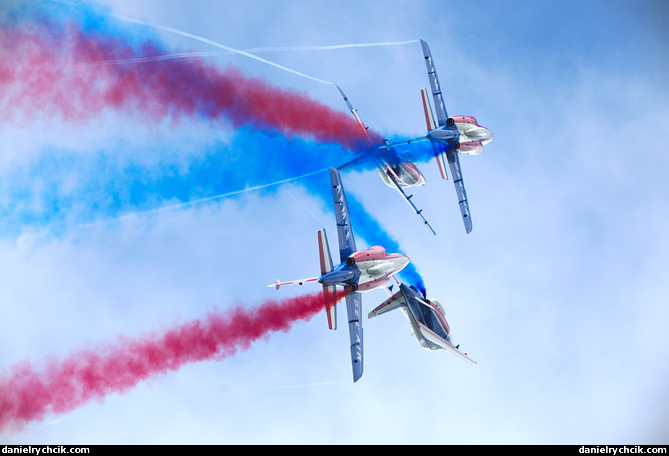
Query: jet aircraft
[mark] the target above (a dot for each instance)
(449, 137)
(358, 271)
(426, 318)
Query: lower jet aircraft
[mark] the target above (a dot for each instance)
(426, 318)
(358, 271)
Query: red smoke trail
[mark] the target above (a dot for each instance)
(73, 73)
(28, 395)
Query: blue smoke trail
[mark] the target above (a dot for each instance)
(62, 189)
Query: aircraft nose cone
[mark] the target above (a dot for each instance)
(492, 135)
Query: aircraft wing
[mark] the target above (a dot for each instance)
(393, 302)
(437, 340)
(460, 354)
(438, 98)
(407, 198)
(454, 163)
(364, 157)
(356, 161)
(344, 231)
(354, 311)
(361, 126)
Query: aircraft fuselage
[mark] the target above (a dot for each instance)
(407, 175)
(428, 324)
(366, 270)
(466, 132)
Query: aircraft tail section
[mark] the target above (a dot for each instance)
(427, 110)
(394, 302)
(330, 299)
(324, 251)
(329, 291)
(432, 125)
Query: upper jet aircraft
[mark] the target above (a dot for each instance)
(451, 136)
(358, 271)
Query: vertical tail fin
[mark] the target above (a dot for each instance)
(431, 125)
(427, 110)
(329, 291)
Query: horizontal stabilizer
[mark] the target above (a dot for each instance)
(330, 299)
(427, 110)
(432, 125)
(329, 291)
(324, 252)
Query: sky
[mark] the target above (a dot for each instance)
(559, 293)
